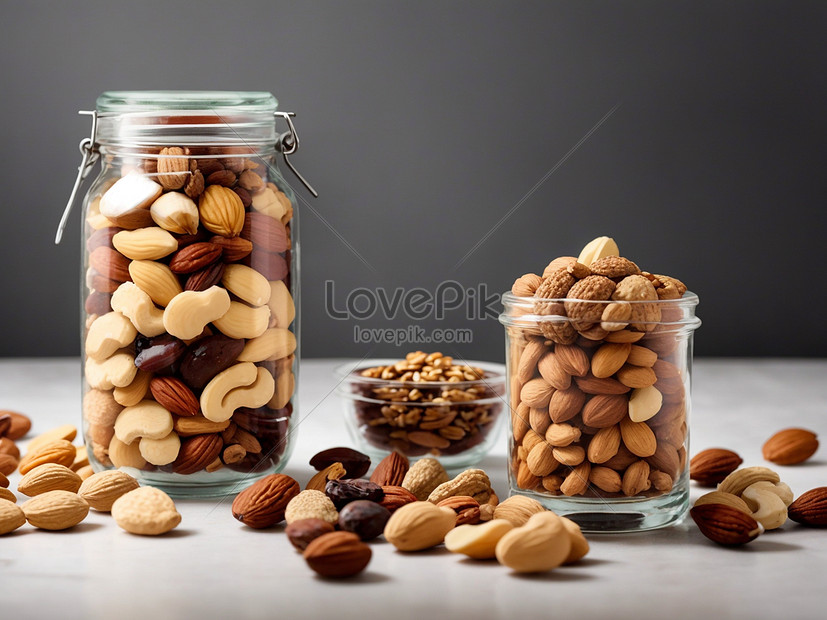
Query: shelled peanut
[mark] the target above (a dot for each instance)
(189, 349)
(597, 370)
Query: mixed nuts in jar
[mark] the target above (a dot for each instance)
(599, 360)
(189, 337)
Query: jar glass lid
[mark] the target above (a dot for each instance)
(168, 117)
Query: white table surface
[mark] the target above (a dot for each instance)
(214, 567)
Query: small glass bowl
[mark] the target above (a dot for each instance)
(384, 415)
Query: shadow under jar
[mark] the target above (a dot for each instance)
(190, 292)
(455, 422)
(600, 411)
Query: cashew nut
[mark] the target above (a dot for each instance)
(740, 479)
(285, 386)
(135, 392)
(764, 499)
(107, 334)
(247, 284)
(146, 419)
(727, 499)
(160, 451)
(242, 321)
(117, 371)
(137, 306)
(189, 312)
(126, 455)
(242, 385)
(282, 308)
(273, 344)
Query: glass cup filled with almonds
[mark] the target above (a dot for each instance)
(599, 363)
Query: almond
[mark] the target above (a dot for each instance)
(790, 446)
(536, 393)
(636, 376)
(174, 395)
(541, 460)
(560, 435)
(605, 479)
(264, 232)
(531, 354)
(725, 525)
(572, 359)
(419, 525)
(61, 452)
(195, 257)
(395, 497)
(150, 243)
(11, 517)
(604, 444)
(49, 477)
(635, 479)
(554, 374)
(100, 490)
(665, 459)
(517, 509)
(20, 425)
(391, 470)
(55, 510)
(710, 467)
(466, 508)
(334, 471)
(263, 504)
(810, 508)
(638, 437)
(565, 404)
(337, 554)
(641, 356)
(234, 248)
(197, 452)
(609, 358)
(595, 385)
(205, 278)
(605, 410)
(110, 264)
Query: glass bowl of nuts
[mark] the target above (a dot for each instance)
(425, 405)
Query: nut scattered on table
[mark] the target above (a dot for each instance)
(790, 446)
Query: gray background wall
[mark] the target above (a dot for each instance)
(423, 123)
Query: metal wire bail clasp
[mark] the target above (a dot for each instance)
(90, 155)
(288, 143)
